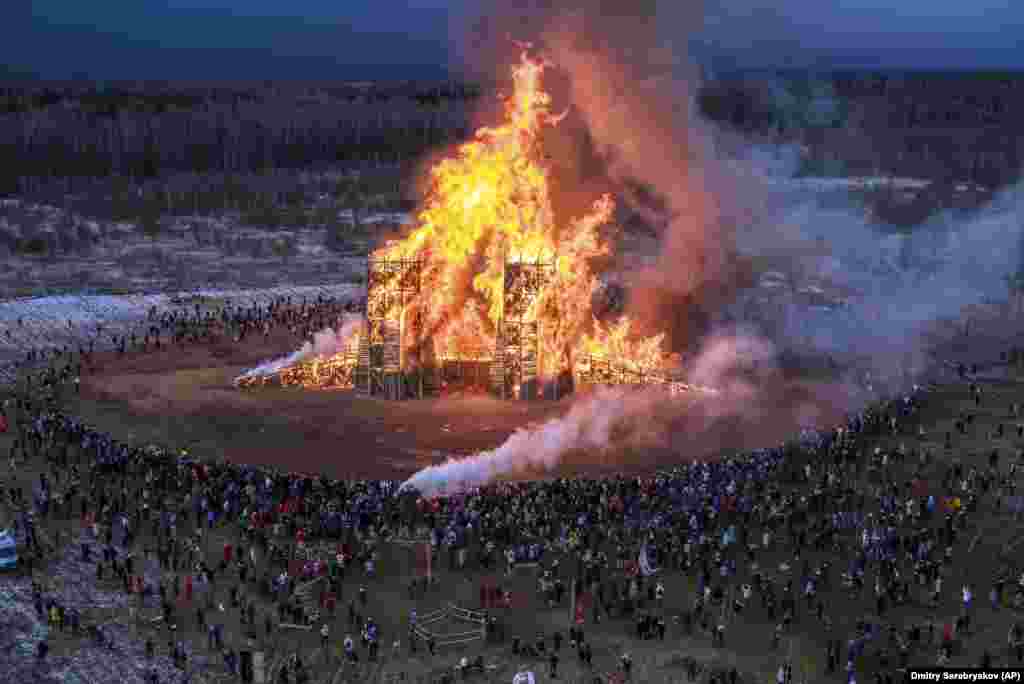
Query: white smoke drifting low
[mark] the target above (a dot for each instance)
(589, 425)
(326, 343)
(897, 287)
(751, 398)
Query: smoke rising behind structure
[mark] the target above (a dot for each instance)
(844, 287)
(722, 217)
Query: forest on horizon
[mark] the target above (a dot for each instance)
(935, 125)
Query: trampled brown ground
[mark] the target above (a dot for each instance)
(186, 397)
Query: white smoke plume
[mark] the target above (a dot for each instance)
(326, 343)
(589, 425)
(752, 397)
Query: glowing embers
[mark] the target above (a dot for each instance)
(594, 370)
(464, 376)
(615, 355)
(336, 371)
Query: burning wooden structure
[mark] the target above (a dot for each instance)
(398, 361)
(490, 289)
(391, 343)
(591, 370)
(518, 365)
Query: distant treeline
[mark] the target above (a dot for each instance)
(159, 96)
(48, 132)
(285, 200)
(926, 125)
(934, 100)
(902, 124)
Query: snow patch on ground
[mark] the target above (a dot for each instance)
(69, 320)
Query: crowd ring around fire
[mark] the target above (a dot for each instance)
(487, 291)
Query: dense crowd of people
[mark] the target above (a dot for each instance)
(826, 499)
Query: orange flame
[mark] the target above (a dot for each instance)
(489, 205)
(335, 371)
(617, 342)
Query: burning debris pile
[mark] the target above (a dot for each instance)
(488, 275)
(328, 361)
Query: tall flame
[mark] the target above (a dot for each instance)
(489, 205)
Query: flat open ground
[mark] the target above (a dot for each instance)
(186, 397)
(180, 397)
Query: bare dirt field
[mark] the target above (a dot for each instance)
(186, 397)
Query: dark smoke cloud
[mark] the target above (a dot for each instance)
(721, 211)
(627, 75)
(627, 72)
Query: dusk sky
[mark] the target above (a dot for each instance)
(384, 39)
